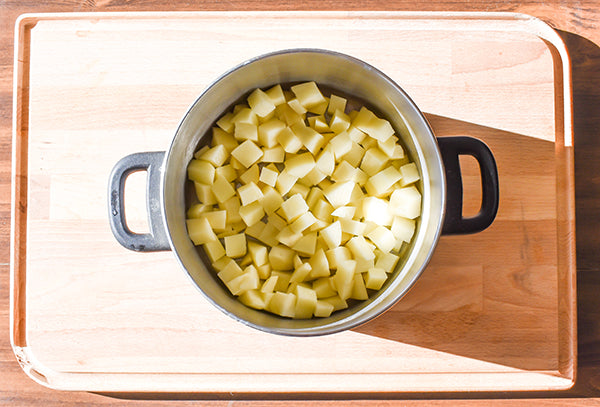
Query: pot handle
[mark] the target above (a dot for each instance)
(451, 148)
(156, 240)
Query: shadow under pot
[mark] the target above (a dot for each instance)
(437, 160)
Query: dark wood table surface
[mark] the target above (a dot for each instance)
(578, 22)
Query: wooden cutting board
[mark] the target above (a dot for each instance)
(493, 311)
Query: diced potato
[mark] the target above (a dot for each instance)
(403, 228)
(332, 234)
(288, 237)
(276, 95)
(227, 172)
(251, 175)
(232, 208)
(381, 183)
(320, 108)
(307, 244)
(297, 106)
(306, 302)
(410, 174)
(216, 155)
(338, 255)
(200, 231)
(269, 284)
(235, 245)
(261, 103)
(336, 103)
(268, 176)
(344, 278)
(289, 141)
(303, 222)
(247, 153)
(271, 200)
(273, 155)
(214, 249)
(386, 261)
(383, 238)
(230, 271)
(249, 193)
(352, 227)
(319, 264)
(293, 207)
(319, 123)
(246, 131)
(406, 202)
(375, 278)
(245, 115)
(310, 138)
(336, 302)
(283, 304)
(326, 161)
(268, 131)
(288, 115)
(359, 291)
(340, 145)
(355, 155)
(373, 161)
(247, 281)
(253, 299)
(216, 219)
(323, 309)
(196, 210)
(281, 258)
(226, 122)
(323, 210)
(308, 94)
(252, 213)
(360, 248)
(201, 171)
(222, 189)
(323, 287)
(376, 210)
(300, 273)
(283, 280)
(339, 193)
(339, 122)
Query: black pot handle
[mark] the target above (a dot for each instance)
(451, 148)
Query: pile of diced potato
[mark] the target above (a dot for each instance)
(302, 205)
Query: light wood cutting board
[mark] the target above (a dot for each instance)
(493, 311)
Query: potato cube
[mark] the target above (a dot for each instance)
(356, 135)
(268, 175)
(346, 172)
(313, 177)
(200, 231)
(355, 155)
(276, 95)
(283, 304)
(283, 280)
(300, 165)
(231, 229)
(201, 171)
(363, 265)
(310, 138)
(344, 278)
(227, 172)
(303, 222)
(359, 291)
(226, 122)
(336, 103)
(322, 210)
(319, 264)
(341, 144)
(293, 207)
(216, 219)
(243, 114)
(308, 94)
(383, 238)
(381, 183)
(220, 137)
(246, 131)
(360, 248)
(320, 108)
(300, 273)
(306, 302)
(389, 146)
(281, 258)
(247, 281)
(296, 106)
(332, 234)
(386, 261)
(410, 174)
(379, 129)
(285, 182)
(376, 210)
(260, 103)
(269, 284)
(326, 161)
(258, 253)
(288, 237)
(249, 193)
(403, 228)
(323, 287)
(214, 249)
(196, 210)
(338, 255)
(230, 270)
(232, 208)
(306, 245)
(247, 153)
(289, 141)
(323, 309)
(271, 200)
(268, 131)
(406, 202)
(339, 122)
(216, 155)
(319, 124)
(339, 193)
(375, 278)
(336, 302)
(235, 245)
(252, 213)
(373, 161)
(249, 175)
(222, 189)
(273, 155)
(253, 299)
(288, 115)
(352, 227)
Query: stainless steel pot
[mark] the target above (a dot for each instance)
(437, 161)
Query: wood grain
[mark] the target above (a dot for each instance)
(578, 21)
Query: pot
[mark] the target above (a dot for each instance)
(436, 159)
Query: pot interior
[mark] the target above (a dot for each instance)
(344, 75)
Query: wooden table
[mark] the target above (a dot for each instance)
(576, 25)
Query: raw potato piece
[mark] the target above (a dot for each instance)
(302, 205)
